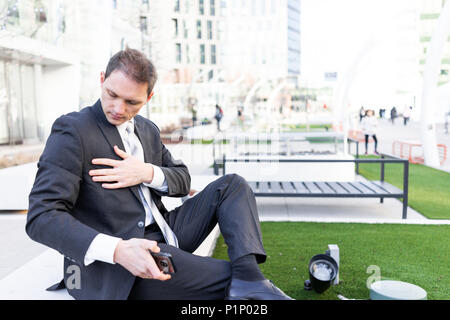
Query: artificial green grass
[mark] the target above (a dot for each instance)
(201, 141)
(303, 127)
(418, 254)
(428, 188)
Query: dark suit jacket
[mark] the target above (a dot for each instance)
(67, 209)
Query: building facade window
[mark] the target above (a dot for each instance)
(213, 54)
(199, 29)
(212, 7)
(40, 12)
(175, 27)
(178, 52)
(202, 54)
(143, 24)
(18, 117)
(209, 29)
(201, 7)
(12, 13)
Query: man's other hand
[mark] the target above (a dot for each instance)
(134, 256)
(124, 173)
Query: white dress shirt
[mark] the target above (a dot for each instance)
(103, 246)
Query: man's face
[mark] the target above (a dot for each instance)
(122, 98)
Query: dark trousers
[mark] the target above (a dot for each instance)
(228, 201)
(366, 136)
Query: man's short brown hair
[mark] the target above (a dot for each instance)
(135, 65)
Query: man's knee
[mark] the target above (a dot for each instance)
(234, 178)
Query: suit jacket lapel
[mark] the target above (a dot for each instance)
(112, 135)
(147, 144)
(109, 131)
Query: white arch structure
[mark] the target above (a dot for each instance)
(273, 95)
(252, 91)
(340, 114)
(230, 88)
(214, 80)
(430, 80)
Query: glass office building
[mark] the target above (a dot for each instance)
(18, 119)
(293, 34)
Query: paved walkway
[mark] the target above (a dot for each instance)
(388, 133)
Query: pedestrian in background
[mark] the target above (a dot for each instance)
(406, 115)
(368, 127)
(393, 114)
(194, 116)
(218, 116)
(362, 113)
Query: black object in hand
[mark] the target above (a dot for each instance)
(164, 262)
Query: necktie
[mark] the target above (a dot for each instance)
(168, 234)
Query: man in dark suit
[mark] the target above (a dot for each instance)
(97, 200)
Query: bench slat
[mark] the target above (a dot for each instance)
(264, 187)
(363, 188)
(312, 187)
(374, 187)
(388, 187)
(300, 187)
(369, 188)
(350, 188)
(287, 187)
(325, 188)
(275, 187)
(338, 189)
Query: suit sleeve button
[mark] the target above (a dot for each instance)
(140, 224)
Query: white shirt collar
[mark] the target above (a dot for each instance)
(123, 127)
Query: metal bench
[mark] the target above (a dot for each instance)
(332, 189)
(271, 143)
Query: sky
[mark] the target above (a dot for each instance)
(358, 39)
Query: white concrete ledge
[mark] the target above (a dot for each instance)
(355, 220)
(30, 281)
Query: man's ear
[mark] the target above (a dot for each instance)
(102, 78)
(150, 96)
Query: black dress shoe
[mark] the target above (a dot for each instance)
(254, 290)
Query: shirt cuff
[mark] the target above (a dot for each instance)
(159, 179)
(102, 249)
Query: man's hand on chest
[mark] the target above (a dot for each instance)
(123, 173)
